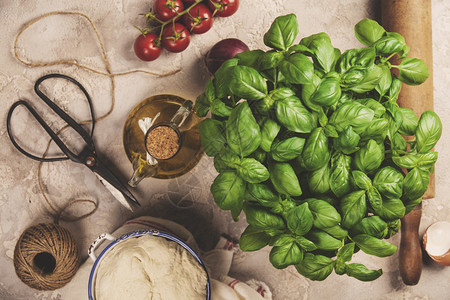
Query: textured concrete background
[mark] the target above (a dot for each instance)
(69, 37)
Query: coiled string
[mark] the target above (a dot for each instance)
(60, 213)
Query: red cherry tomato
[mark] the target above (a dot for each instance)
(165, 10)
(189, 2)
(146, 48)
(223, 8)
(175, 37)
(199, 19)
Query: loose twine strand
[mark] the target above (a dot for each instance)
(60, 213)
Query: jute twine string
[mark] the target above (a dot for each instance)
(60, 213)
(46, 257)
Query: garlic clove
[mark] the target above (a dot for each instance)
(436, 242)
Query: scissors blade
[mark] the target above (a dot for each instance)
(107, 177)
(115, 192)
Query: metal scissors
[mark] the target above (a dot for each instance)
(88, 156)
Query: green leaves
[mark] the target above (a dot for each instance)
(413, 71)
(242, 131)
(373, 246)
(297, 68)
(368, 31)
(310, 143)
(228, 191)
(213, 136)
(284, 179)
(315, 267)
(428, 132)
(300, 219)
(282, 32)
(247, 83)
(293, 115)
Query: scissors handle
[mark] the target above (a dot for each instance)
(61, 113)
(87, 137)
(44, 125)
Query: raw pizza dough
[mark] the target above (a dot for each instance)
(150, 267)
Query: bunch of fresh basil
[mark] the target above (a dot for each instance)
(310, 143)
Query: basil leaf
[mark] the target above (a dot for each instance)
(415, 184)
(377, 107)
(269, 131)
(389, 182)
(353, 208)
(328, 92)
(377, 131)
(336, 232)
(340, 174)
(347, 141)
(389, 44)
(282, 32)
(291, 113)
(319, 180)
(369, 157)
(297, 69)
(370, 80)
(201, 106)
(261, 194)
(222, 78)
(324, 214)
(261, 218)
(284, 180)
(287, 149)
(413, 71)
(354, 114)
(368, 31)
(247, 83)
(252, 170)
(253, 238)
(323, 240)
(375, 199)
(270, 59)
(321, 50)
(242, 131)
(285, 255)
(385, 80)
(346, 252)
(360, 272)
(362, 180)
(219, 108)
(373, 225)
(212, 136)
(373, 246)
(361, 57)
(315, 153)
(300, 219)
(394, 89)
(228, 192)
(428, 131)
(305, 244)
(409, 121)
(391, 210)
(315, 267)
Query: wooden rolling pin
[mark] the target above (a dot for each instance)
(412, 19)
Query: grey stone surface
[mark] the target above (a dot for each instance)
(70, 37)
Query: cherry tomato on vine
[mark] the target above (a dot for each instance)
(223, 8)
(146, 48)
(165, 10)
(175, 37)
(199, 19)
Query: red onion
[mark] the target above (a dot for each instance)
(223, 51)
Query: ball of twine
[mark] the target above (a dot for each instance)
(46, 256)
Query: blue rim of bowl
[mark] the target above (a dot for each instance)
(139, 233)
